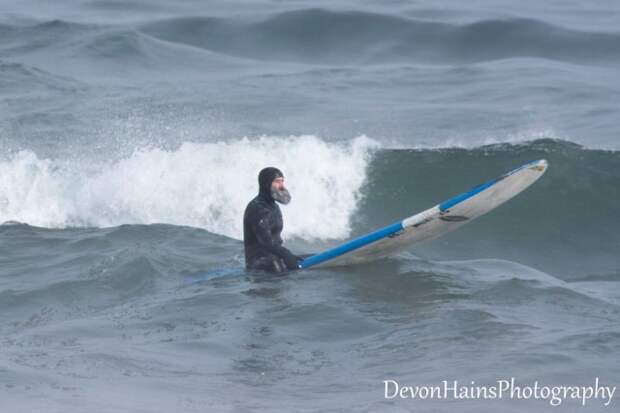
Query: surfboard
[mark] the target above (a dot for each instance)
(432, 223)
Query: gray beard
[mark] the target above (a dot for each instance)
(283, 196)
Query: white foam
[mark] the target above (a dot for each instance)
(199, 184)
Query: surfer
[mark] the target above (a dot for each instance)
(262, 225)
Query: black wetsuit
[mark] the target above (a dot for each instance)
(262, 225)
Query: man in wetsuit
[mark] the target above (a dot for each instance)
(262, 225)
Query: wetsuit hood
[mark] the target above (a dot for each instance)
(265, 179)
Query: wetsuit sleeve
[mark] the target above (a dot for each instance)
(265, 239)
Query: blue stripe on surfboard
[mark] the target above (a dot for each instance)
(466, 195)
(477, 189)
(351, 245)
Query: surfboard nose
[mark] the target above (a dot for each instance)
(539, 165)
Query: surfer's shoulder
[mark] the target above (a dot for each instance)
(260, 206)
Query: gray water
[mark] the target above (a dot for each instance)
(131, 136)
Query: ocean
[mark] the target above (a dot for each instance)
(131, 136)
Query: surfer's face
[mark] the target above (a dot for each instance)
(278, 184)
(279, 191)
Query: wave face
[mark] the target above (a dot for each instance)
(353, 37)
(570, 213)
(359, 186)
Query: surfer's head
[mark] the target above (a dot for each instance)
(271, 185)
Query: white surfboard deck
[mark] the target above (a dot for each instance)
(433, 222)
